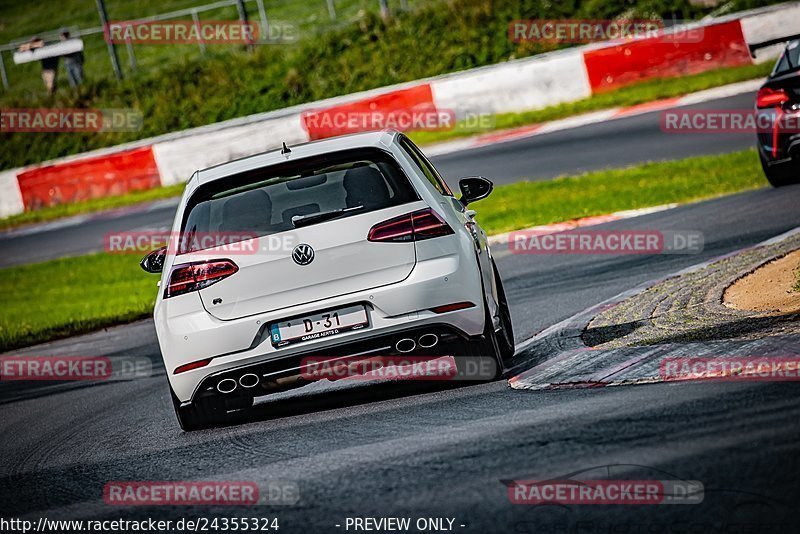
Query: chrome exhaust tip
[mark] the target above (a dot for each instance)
(249, 380)
(427, 341)
(226, 385)
(406, 345)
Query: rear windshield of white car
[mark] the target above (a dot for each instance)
(295, 194)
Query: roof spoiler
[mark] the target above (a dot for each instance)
(764, 44)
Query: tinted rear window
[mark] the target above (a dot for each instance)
(270, 200)
(790, 60)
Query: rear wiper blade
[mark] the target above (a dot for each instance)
(305, 220)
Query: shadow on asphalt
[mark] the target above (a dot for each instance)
(322, 401)
(593, 337)
(598, 335)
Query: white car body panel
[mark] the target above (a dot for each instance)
(343, 264)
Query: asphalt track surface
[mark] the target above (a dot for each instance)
(617, 143)
(424, 450)
(611, 144)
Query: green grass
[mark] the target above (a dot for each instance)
(525, 204)
(60, 298)
(70, 296)
(627, 96)
(89, 206)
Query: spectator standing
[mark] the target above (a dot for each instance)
(73, 62)
(49, 64)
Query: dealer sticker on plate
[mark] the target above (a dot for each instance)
(329, 323)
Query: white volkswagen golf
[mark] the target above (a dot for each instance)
(347, 247)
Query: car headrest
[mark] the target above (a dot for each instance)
(247, 212)
(366, 186)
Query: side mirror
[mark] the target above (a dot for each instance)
(154, 262)
(474, 188)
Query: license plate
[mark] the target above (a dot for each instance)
(326, 324)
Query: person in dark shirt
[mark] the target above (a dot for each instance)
(50, 73)
(49, 64)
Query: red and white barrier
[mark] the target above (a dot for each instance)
(328, 122)
(86, 178)
(178, 158)
(530, 83)
(612, 67)
(10, 195)
(519, 85)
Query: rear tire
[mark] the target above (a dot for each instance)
(483, 349)
(505, 336)
(780, 175)
(498, 345)
(200, 414)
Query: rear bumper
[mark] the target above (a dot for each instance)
(286, 371)
(187, 333)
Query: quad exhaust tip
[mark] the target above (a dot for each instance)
(226, 385)
(427, 341)
(406, 345)
(249, 380)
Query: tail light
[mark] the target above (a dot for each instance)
(191, 366)
(416, 226)
(770, 98)
(195, 276)
(452, 307)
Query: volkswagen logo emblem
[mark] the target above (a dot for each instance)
(303, 254)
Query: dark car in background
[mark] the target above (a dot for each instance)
(778, 104)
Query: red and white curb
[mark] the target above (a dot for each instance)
(562, 341)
